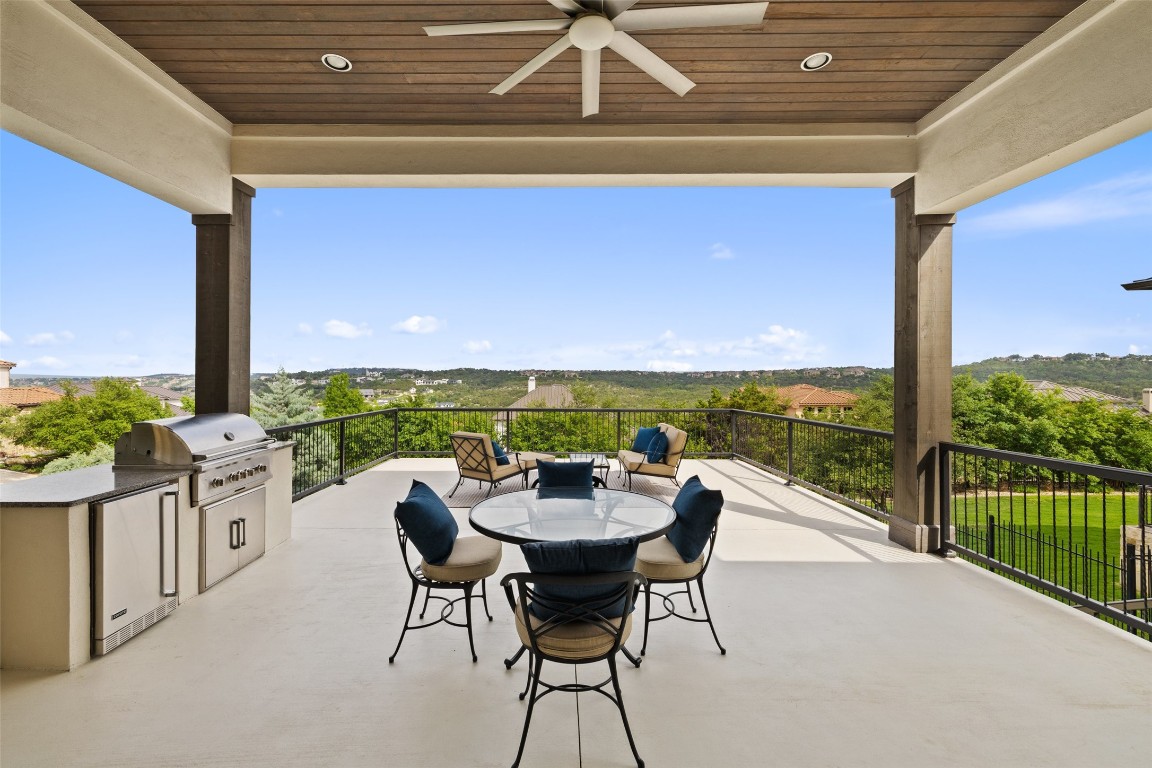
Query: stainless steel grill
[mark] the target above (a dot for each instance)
(226, 452)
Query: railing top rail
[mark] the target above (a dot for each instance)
(332, 420)
(1059, 465)
(813, 423)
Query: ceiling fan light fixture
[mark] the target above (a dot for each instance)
(336, 62)
(816, 61)
(591, 32)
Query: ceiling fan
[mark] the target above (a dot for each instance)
(593, 25)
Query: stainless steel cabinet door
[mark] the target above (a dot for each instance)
(250, 513)
(231, 535)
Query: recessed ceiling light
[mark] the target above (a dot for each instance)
(336, 62)
(816, 61)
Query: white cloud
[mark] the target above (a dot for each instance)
(304, 329)
(49, 362)
(779, 344)
(669, 365)
(1120, 198)
(47, 338)
(478, 346)
(126, 361)
(1133, 349)
(344, 330)
(721, 251)
(5, 338)
(419, 324)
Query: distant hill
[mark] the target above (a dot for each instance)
(1125, 376)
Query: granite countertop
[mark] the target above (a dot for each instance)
(81, 486)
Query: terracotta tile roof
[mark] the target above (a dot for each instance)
(6, 364)
(809, 396)
(25, 397)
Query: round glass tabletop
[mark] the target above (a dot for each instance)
(559, 514)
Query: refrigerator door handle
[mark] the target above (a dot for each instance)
(164, 546)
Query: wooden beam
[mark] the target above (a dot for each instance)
(923, 369)
(223, 306)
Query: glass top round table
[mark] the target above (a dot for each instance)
(559, 514)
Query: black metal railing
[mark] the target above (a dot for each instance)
(1080, 533)
(851, 464)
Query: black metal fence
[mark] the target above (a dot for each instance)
(1080, 533)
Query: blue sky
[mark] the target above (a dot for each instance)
(97, 278)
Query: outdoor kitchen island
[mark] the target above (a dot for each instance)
(45, 552)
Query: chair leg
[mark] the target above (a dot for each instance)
(647, 615)
(708, 614)
(623, 714)
(509, 663)
(484, 596)
(468, 616)
(691, 602)
(535, 673)
(456, 487)
(528, 679)
(427, 597)
(407, 621)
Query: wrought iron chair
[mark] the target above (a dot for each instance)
(663, 560)
(477, 459)
(472, 560)
(572, 631)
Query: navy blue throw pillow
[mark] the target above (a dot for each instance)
(657, 449)
(578, 557)
(428, 523)
(644, 437)
(498, 452)
(565, 474)
(696, 511)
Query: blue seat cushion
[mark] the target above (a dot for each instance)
(696, 511)
(657, 449)
(498, 452)
(565, 474)
(428, 523)
(575, 558)
(644, 437)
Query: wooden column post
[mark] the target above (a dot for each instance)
(223, 306)
(923, 369)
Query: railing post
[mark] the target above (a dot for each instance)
(732, 434)
(789, 481)
(946, 533)
(341, 480)
(395, 432)
(619, 430)
(990, 537)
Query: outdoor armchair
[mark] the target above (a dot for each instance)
(478, 459)
(658, 460)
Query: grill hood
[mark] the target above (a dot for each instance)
(185, 440)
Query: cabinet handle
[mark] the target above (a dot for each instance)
(164, 590)
(243, 531)
(234, 534)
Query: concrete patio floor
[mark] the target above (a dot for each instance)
(843, 650)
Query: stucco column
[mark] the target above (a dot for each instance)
(223, 305)
(923, 369)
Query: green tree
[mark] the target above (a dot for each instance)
(340, 399)
(283, 403)
(101, 454)
(75, 424)
(188, 404)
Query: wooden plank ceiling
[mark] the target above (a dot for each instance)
(258, 61)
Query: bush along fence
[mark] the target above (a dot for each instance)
(1078, 532)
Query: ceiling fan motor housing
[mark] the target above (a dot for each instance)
(591, 32)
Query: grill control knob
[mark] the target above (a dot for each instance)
(217, 482)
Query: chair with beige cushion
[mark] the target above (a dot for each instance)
(478, 459)
(574, 607)
(640, 463)
(682, 556)
(447, 563)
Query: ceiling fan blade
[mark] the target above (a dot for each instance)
(613, 8)
(492, 27)
(537, 61)
(590, 81)
(731, 14)
(568, 6)
(626, 46)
